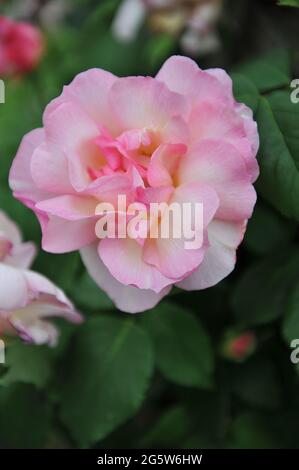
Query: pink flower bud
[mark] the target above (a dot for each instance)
(238, 346)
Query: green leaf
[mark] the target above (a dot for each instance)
(245, 91)
(279, 177)
(183, 349)
(169, 431)
(28, 364)
(291, 320)
(264, 221)
(106, 380)
(286, 115)
(261, 293)
(159, 47)
(24, 417)
(61, 268)
(87, 294)
(269, 72)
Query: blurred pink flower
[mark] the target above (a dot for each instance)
(21, 47)
(195, 21)
(27, 299)
(179, 137)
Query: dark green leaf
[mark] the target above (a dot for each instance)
(106, 380)
(266, 221)
(261, 293)
(24, 417)
(27, 363)
(245, 91)
(183, 349)
(87, 294)
(279, 178)
(286, 115)
(170, 430)
(62, 268)
(269, 72)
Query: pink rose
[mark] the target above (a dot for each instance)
(179, 137)
(27, 299)
(21, 47)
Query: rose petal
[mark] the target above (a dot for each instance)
(220, 257)
(220, 165)
(123, 259)
(127, 298)
(140, 102)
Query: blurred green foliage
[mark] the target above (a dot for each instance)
(289, 3)
(158, 379)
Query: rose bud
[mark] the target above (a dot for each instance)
(238, 346)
